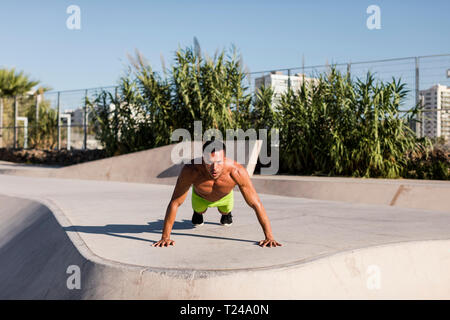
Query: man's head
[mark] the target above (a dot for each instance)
(214, 157)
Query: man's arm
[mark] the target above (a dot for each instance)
(184, 182)
(242, 179)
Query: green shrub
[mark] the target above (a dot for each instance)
(334, 125)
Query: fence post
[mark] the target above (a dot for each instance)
(1, 122)
(349, 69)
(36, 124)
(59, 121)
(15, 121)
(85, 120)
(289, 79)
(303, 66)
(419, 131)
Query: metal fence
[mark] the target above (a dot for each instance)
(426, 77)
(53, 120)
(65, 123)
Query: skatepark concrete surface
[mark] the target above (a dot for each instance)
(405, 193)
(331, 249)
(155, 166)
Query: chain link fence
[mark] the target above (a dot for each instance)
(61, 120)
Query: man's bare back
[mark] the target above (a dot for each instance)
(213, 180)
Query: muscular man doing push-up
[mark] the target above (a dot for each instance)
(213, 181)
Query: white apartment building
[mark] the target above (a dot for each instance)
(279, 82)
(436, 122)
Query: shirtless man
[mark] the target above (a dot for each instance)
(213, 182)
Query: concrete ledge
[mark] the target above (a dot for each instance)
(147, 166)
(417, 194)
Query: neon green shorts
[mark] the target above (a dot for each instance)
(225, 205)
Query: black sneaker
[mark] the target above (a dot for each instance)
(197, 219)
(227, 219)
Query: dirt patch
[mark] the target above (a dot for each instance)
(50, 157)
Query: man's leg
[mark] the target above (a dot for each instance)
(197, 218)
(225, 210)
(226, 219)
(199, 205)
(223, 213)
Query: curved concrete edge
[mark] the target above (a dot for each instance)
(410, 270)
(37, 252)
(405, 194)
(147, 166)
(63, 221)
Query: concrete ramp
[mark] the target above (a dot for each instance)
(147, 166)
(34, 252)
(330, 250)
(405, 193)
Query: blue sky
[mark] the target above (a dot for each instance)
(269, 34)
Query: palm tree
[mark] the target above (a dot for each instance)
(12, 83)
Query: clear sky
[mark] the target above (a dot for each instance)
(269, 34)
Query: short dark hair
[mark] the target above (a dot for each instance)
(216, 146)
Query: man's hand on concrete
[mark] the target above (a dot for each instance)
(269, 243)
(164, 243)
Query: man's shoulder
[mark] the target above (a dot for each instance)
(234, 168)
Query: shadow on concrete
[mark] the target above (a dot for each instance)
(156, 227)
(173, 171)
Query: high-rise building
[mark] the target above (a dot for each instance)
(279, 82)
(436, 115)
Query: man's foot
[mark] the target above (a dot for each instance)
(227, 219)
(197, 219)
